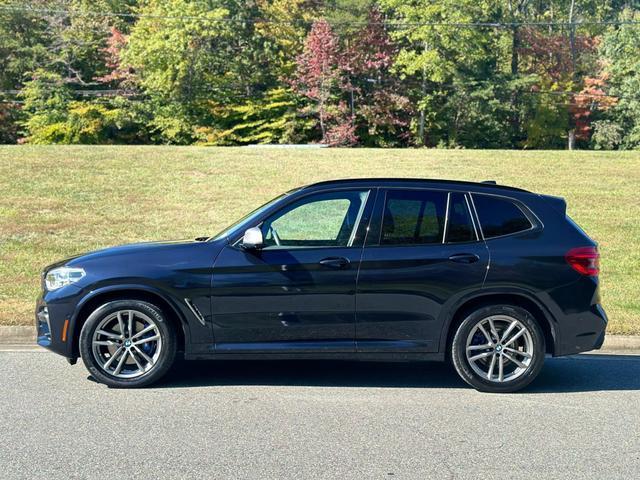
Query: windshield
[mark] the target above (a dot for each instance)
(229, 231)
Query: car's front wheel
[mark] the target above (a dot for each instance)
(127, 343)
(498, 348)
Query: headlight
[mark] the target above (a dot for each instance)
(61, 276)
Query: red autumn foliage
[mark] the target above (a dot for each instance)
(321, 78)
(368, 60)
(550, 55)
(329, 75)
(592, 97)
(373, 50)
(118, 76)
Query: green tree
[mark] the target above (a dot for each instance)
(436, 57)
(53, 116)
(619, 51)
(179, 64)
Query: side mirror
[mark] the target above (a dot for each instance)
(252, 239)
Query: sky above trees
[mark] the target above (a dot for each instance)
(388, 73)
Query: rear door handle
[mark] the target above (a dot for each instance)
(464, 258)
(334, 262)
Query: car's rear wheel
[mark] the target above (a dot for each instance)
(498, 348)
(127, 343)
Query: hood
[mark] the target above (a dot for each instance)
(140, 248)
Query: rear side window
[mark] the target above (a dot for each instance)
(499, 216)
(459, 226)
(413, 217)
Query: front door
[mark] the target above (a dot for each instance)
(297, 293)
(422, 255)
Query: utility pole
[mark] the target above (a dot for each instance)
(571, 136)
(424, 93)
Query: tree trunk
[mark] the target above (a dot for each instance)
(421, 139)
(571, 139)
(515, 44)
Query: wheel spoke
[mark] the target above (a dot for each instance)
(104, 333)
(479, 347)
(120, 323)
(484, 332)
(106, 343)
(508, 331)
(515, 337)
(112, 358)
(480, 356)
(143, 355)
(147, 339)
(512, 359)
(135, 359)
(491, 366)
(130, 325)
(513, 350)
(494, 332)
(121, 363)
(143, 331)
(500, 368)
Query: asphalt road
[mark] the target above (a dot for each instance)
(307, 420)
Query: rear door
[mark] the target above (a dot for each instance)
(422, 253)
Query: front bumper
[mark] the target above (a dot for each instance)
(53, 316)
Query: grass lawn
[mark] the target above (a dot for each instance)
(59, 201)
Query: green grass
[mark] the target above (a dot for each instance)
(59, 201)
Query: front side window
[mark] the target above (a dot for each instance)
(413, 217)
(499, 216)
(321, 220)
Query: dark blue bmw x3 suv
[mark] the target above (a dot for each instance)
(491, 277)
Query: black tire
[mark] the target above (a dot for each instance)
(463, 365)
(165, 356)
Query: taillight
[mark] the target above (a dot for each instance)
(584, 260)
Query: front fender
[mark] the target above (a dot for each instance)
(186, 318)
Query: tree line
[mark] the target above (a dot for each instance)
(388, 73)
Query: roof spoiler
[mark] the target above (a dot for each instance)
(489, 182)
(558, 203)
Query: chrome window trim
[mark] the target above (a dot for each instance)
(446, 218)
(356, 225)
(473, 223)
(471, 215)
(476, 217)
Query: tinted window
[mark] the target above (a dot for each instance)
(413, 217)
(327, 219)
(499, 216)
(459, 225)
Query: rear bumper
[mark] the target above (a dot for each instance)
(582, 332)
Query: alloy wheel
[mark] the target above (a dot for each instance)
(500, 348)
(126, 344)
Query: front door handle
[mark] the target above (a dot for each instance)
(464, 258)
(334, 262)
